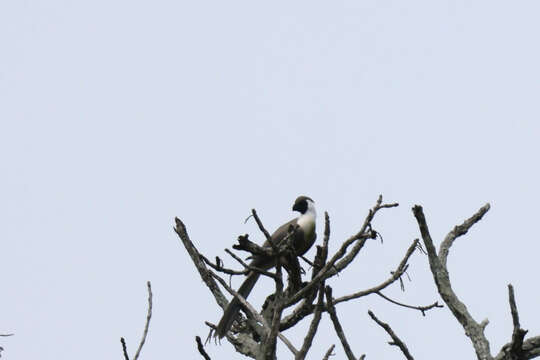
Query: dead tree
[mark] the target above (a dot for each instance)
(256, 333)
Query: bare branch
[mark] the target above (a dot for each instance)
(337, 326)
(364, 234)
(220, 268)
(270, 341)
(473, 330)
(200, 347)
(531, 348)
(396, 341)
(245, 244)
(308, 340)
(242, 300)
(124, 348)
(518, 334)
(513, 307)
(459, 230)
(180, 229)
(261, 227)
(244, 344)
(249, 267)
(326, 237)
(395, 275)
(147, 325)
(305, 308)
(329, 352)
(422, 309)
(306, 260)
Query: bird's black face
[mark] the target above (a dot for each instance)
(301, 204)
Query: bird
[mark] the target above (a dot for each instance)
(304, 237)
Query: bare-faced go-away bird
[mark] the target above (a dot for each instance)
(304, 237)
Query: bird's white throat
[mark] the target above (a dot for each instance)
(307, 220)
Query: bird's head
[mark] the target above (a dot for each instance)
(303, 204)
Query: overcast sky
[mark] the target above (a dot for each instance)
(116, 116)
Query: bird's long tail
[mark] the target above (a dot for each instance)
(234, 306)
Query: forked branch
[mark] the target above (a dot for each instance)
(437, 263)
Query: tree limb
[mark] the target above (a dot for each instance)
(180, 229)
(530, 349)
(473, 330)
(518, 333)
(396, 341)
(515, 350)
(337, 326)
(270, 340)
(308, 340)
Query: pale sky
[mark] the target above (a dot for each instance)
(117, 116)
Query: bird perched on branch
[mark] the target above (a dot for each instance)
(304, 237)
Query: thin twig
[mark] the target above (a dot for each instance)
(395, 339)
(263, 230)
(148, 317)
(124, 348)
(329, 352)
(422, 309)
(309, 262)
(221, 268)
(326, 238)
(249, 267)
(200, 347)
